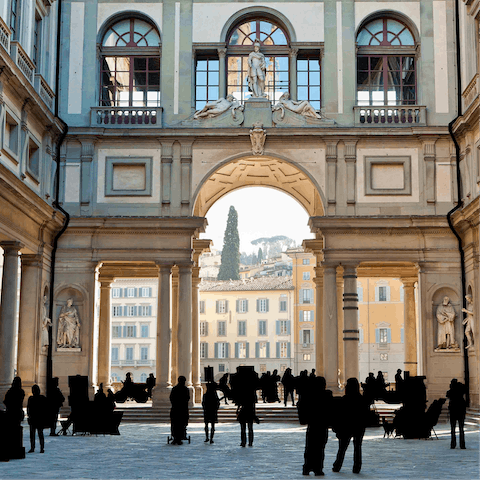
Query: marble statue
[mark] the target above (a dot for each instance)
(68, 335)
(301, 107)
(256, 71)
(217, 107)
(257, 136)
(46, 322)
(468, 321)
(446, 325)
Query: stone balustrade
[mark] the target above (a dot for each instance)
(22, 60)
(45, 92)
(5, 34)
(389, 116)
(471, 92)
(141, 117)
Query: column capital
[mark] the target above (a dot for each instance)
(32, 260)
(222, 52)
(329, 268)
(293, 52)
(349, 270)
(409, 282)
(164, 267)
(106, 282)
(11, 246)
(185, 267)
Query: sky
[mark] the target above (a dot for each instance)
(262, 212)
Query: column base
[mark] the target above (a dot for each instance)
(191, 390)
(161, 395)
(198, 392)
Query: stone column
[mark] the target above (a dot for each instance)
(350, 315)
(293, 72)
(185, 325)
(340, 327)
(104, 333)
(31, 354)
(8, 314)
(410, 326)
(197, 385)
(161, 392)
(319, 366)
(174, 324)
(222, 86)
(330, 328)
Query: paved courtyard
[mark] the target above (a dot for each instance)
(141, 451)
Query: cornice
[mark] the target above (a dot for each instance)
(468, 216)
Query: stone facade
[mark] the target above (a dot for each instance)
(138, 175)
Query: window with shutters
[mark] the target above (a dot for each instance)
(262, 327)
(145, 292)
(383, 335)
(242, 306)
(384, 357)
(306, 276)
(306, 261)
(242, 328)
(306, 315)
(115, 292)
(262, 349)
(116, 331)
(130, 310)
(283, 330)
(307, 357)
(283, 349)
(115, 377)
(222, 329)
(202, 306)
(263, 305)
(144, 353)
(221, 368)
(222, 348)
(143, 378)
(129, 353)
(307, 295)
(130, 331)
(306, 337)
(283, 305)
(221, 306)
(130, 292)
(117, 311)
(242, 350)
(144, 331)
(145, 310)
(203, 350)
(115, 354)
(382, 294)
(15, 9)
(263, 368)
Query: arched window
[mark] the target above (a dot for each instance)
(130, 65)
(274, 45)
(386, 64)
(143, 378)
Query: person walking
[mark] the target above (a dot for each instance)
(37, 410)
(457, 409)
(55, 399)
(179, 398)
(288, 382)
(350, 422)
(210, 404)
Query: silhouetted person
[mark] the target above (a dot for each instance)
(380, 384)
(263, 383)
(111, 400)
(55, 399)
(288, 382)
(151, 382)
(274, 386)
(302, 384)
(223, 387)
(399, 382)
(13, 402)
(318, 406)
(352, 418)
(312, 373)
(37, 410)
(457, 408)
(179, 398)
(100, 401)
(210, 404)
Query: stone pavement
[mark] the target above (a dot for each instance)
(141, 452)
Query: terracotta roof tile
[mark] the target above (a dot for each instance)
(265, 283)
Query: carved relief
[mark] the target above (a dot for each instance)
(257, 136)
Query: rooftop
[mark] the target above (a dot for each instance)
(248, 284)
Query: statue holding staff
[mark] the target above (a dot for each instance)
(68, 335)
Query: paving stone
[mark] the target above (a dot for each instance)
(141, 452)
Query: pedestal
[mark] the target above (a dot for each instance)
(258, 110)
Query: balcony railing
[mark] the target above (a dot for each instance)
(5, 33)
(121, 117)
(391, 116)
(471, 92)
(22, 60)
(133, 363)
(45, 92)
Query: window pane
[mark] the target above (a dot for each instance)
(212, 93)
(406, 38)
(201, 93)
(376, 63)
(362, 78)
(201, 78)
(139, 78)
(314, 93)
(362, 63)
(314, 78)
(154, 79)
(394, 63)
(302, 93)
(302, 65)
(213, 78)
(201, 65)
(139, 63)
(302, 78)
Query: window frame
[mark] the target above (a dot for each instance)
(310, 56)
(208, 57)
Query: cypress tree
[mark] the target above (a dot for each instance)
(260, 255)
(229, 269)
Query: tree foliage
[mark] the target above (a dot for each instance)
(229, 269)
(260, 255)
(273, 246)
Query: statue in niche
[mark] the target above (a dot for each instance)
(300, 107)
(46, 322)
(257, 136)
(446, 325)
(217, 107)
(468, 321)
(68, 335)
(256, 71)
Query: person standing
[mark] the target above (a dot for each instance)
(56, 399)
(210, 404)
(352, 417)
(179, 398)
(288, 381)
(318, 406)
(37, 410)
(457, 409)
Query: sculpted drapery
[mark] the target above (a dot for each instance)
(68, 335)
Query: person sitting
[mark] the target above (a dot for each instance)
(351, 420)
(37, 410)
(56, 399)
(179, 398)
(210, 404)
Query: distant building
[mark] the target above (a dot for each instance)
(210, 265)
(246, 322)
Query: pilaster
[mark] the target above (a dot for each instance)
(331, 158)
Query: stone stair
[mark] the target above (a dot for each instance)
(472, 418)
